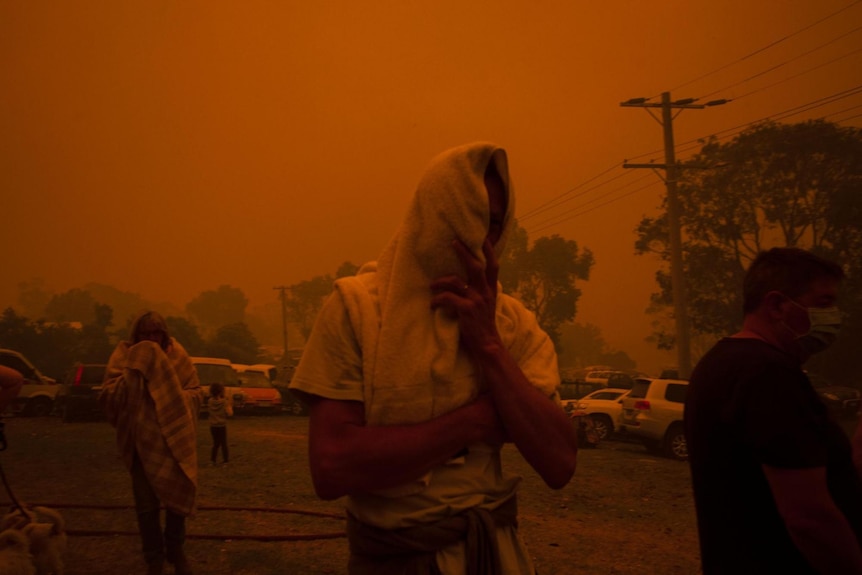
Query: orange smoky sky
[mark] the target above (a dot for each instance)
(167, 148)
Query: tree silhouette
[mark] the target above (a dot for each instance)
(773, 185)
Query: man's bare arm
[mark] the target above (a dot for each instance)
(535, 424)
(538, 426)
(816, 525)
(347, 456)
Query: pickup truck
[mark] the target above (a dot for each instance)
(38, 393)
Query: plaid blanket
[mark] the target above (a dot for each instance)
(152, 399)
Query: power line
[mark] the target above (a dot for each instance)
(777, 66)
(844, 110)
(850, 118)
(553, 217)
(737, 98)
(685, 146)
(728, 132)
(551, 224)
(561, 199)
(764, 48)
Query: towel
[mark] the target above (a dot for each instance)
(413, 365)
(152, 398)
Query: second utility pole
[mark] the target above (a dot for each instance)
(680, 311)
(285, 359)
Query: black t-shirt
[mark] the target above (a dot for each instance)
(749, 404)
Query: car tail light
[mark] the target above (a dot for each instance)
(78, 373)
(642, 404)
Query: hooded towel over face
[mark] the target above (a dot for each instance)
(412, 364)
(152, 398)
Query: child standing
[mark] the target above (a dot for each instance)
(219, 410)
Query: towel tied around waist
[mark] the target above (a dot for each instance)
(413, 550)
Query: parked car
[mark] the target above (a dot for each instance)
(267, 369)
(842, 401)
(652, 412)
(603, 406)
(577, 389)
(256, 394)
(585, 428)
(38, 393)
(620, 380)
(78, 398)
(215, 370)
(597, 377)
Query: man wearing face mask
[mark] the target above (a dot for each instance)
(774, 484)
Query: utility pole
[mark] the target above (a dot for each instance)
(285, 358)
(683, 340)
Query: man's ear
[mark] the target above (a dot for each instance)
(774, 303)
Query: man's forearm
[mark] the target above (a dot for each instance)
(829, 544)
(817, 526)
(350, 457)
(538, 426)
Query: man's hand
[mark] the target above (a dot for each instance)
(474, 301)
(536, 425)
(485, 418)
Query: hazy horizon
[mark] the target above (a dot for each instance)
(167, 149)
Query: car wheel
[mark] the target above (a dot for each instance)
(38, 407)
(675, 445)
(602, 425)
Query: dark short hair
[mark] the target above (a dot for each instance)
(216, 390)
(788, 270)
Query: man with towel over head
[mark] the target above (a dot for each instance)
(418, 369)
(151, 394)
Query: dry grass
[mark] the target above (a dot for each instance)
(626, 512)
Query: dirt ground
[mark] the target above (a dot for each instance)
(625, 513)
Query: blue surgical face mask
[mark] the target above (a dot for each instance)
(824, 324)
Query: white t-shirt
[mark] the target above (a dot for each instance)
(331, 367)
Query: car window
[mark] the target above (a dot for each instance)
(675, 392)
(639, 388)
(605, 395)
(211, 373)
(621, 380)
(254, 379)
(93, 373)
(86, 374)
(577, 390)
(18, 365)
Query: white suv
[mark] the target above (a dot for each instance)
(652, 411)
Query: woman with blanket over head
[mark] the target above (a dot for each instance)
(151, 396)
(418, 369)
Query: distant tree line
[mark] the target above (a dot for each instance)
(84, 324)
(78, 326)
